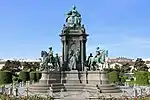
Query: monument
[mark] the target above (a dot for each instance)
(74, 73)
(73, 39)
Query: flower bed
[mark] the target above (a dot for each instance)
(9, 97)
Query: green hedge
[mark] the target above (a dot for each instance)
(24, 76)
(38, 75)
(35, 76)
(113, 77)
(142, 78)
(5, 77)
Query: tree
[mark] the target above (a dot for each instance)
(26, 65)
(140, 65)
(117, 68)
(35, 65)
(30, 66)
(142, 78)
(125, 68)
(11, 65)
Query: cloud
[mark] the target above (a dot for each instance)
(141, 42)
(131, 46)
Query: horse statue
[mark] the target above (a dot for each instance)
(45, 60)
(98, 62)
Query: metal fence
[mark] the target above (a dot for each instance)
(23, 91)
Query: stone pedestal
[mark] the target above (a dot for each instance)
(104, 77)
(74, 80)
(100, 80)
(48, 78)
(93, 77)
(72, 77)
(105, 86)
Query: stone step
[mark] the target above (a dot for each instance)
(108, 88)
(111, 91)
(39, 91)
(73, 90)
(106, 85)
(39, 88)
(40, 85)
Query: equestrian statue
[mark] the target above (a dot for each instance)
(97, 62)
(50, 62)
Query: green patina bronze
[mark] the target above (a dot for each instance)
(100, 57)
(73, 18)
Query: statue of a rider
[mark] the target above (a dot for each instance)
(98, 61)
(73, 18)
(45, 60)
(50, 54)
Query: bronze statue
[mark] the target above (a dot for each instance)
(89, 61)
(73, 62)
(46, 60)
(50, 54)
(57, 62)
(98, 61)
(73, 18)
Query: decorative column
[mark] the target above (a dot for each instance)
(63, 51)
(82, 54)
(65, 54)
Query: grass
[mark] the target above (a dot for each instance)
(134, 82)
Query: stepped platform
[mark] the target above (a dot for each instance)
(48, 78)
(74, 81)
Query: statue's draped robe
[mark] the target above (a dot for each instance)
(73, 63)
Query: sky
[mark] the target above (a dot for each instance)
(29, 26)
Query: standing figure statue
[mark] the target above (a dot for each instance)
(73, 63)
(70, 53)
(72, 60)
(57, 62)
(78, 60)
(89, 61)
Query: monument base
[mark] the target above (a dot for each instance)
(105, 86)
(101, 81)
(73, 80)
(45, 82)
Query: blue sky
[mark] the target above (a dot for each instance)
(29, 26)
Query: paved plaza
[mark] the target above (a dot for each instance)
(129, 92)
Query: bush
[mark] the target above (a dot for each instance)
(113, 77)
(24, 76)
(38, 75)
(123, 79)
(142, 78)
(5, 77)
(33, 76)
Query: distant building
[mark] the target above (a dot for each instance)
(120, 59)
